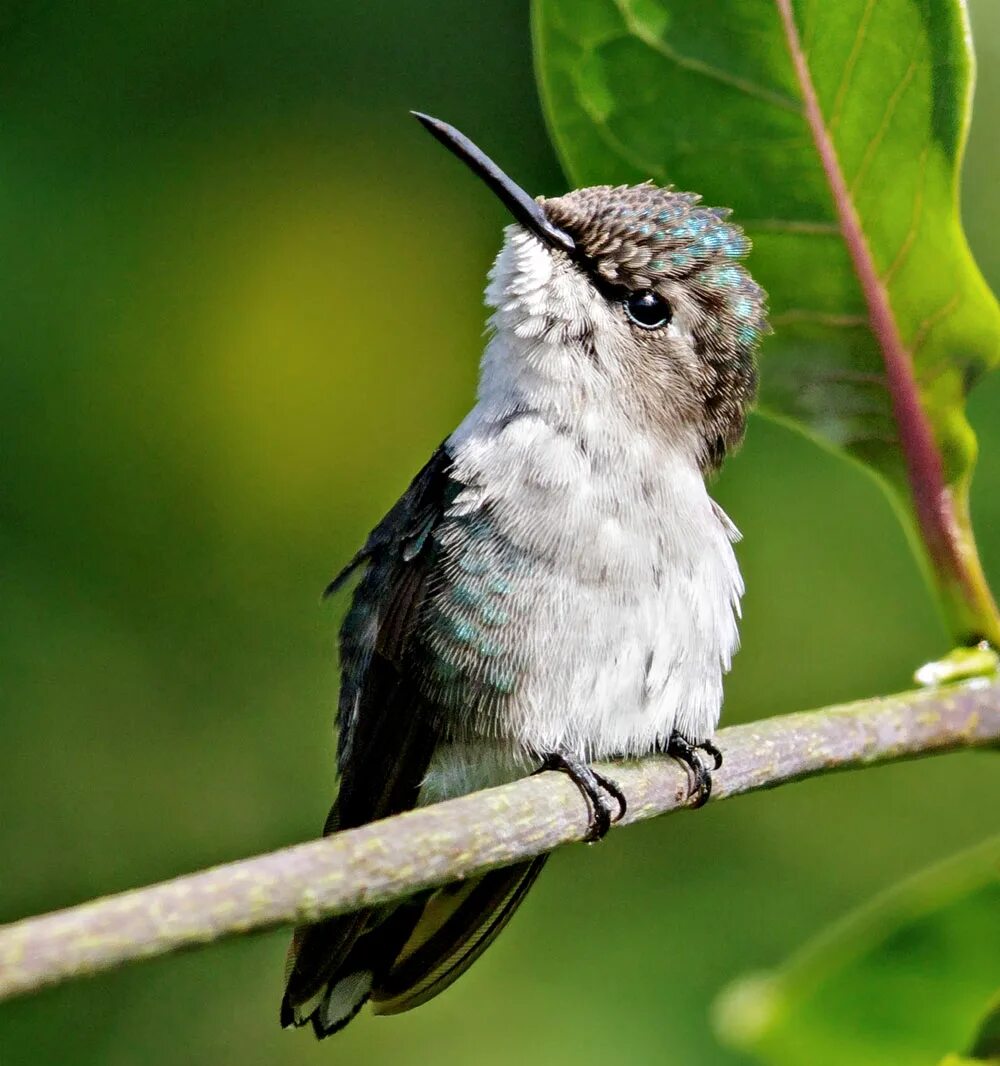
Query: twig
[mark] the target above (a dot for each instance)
(421, 849)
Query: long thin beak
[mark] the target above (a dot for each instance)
(522, 206)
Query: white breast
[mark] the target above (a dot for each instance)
(628, 616)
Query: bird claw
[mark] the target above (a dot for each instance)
(598, 790)
(710, 749)
(684, 751)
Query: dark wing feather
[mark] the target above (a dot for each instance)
(414, 512)
(386, 735)
(375, 636)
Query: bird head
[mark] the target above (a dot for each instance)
(638, 291)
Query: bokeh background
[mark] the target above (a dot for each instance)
(240, 303)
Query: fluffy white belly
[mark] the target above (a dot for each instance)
(620, 615)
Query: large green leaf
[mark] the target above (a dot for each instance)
(881, 318)
(906, 981)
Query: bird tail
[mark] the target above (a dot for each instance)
(457, 924)
(401, 958)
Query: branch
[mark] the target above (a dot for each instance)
(426, 848)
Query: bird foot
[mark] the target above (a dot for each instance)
(683, 750)
(598, 790)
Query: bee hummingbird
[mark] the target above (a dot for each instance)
(556, 586)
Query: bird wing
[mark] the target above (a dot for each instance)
(385, 742)
(386, 731)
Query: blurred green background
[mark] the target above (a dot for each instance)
(240, 303)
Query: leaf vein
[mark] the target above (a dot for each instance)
(922, 335)
(823, 318)
(911, 233)
(854, 377)
(793, 225)
(852, 60)
(876, 142)
(618, 146)
(699, 66)
(810, 20)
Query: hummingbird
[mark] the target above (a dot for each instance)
(556, 587)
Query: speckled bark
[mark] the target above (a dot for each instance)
(438, 844)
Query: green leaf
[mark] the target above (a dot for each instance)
(881, 318)
(905, 981)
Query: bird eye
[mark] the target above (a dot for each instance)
(647, 309)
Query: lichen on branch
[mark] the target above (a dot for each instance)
(429, 847)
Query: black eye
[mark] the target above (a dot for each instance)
(648, 310)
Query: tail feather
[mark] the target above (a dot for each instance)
(457, 925)
(341, 1002)
(400, 958)
(332, 965)
(316, 959)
